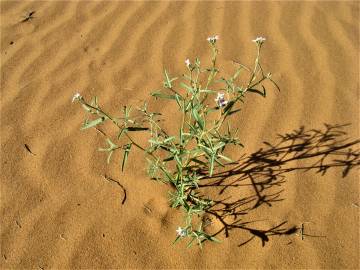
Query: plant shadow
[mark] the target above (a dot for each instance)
(263, 173)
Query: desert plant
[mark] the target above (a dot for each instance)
(182, 159)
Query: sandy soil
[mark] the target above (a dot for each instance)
(57, 209)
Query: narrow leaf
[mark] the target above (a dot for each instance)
(198, 118)
(237, 73)
(207, 150)
(169, 139)
(112, 145)
(224, 158)
(168, 176)
(178, 101)
(218, 146)
(188, 88)
(93, 123)
(211, 170)
(178, 161)
(161, 95)
(109, 156)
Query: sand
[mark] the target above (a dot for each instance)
(59, 212)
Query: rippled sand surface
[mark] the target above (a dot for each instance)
(59, 212)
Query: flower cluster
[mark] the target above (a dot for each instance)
(259, 40)
(181, 232)
(220, 100)
(76, 97)
(213, 39)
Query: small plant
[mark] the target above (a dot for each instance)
(192, 153)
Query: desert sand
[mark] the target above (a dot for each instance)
(59, 212)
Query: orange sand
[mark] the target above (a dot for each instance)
(57, 211)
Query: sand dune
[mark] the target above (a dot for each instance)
(57, 209)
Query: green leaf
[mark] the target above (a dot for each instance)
(178, 99)
(214, 239)
(239, 90)
(167, 82)
(230, 85)
(181, 136)
(153, 141)
(94, 101)
(188, 88)
(192, 128)
(127, 148)
(198, 118)
(186, 77)
(211, 238)
(188, 106)
(93, 123)
(190, 243)
(161, 95)
(109, 156)
(178, 161)
(168, 176)
(237, 73)
(211, 170)
(218, 146)
(219, 162)
(112, 145)
(127, 112)
(207, 150)
(87, 108)
(224, 158)
(169, 139)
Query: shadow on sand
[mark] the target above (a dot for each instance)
(263, 173)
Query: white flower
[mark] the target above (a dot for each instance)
(219, 96)
(77, 96)
(220, 100)
(187, 62)
(181, 232)
(213, 39)
(259, 40)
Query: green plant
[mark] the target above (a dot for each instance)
(196, 149)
